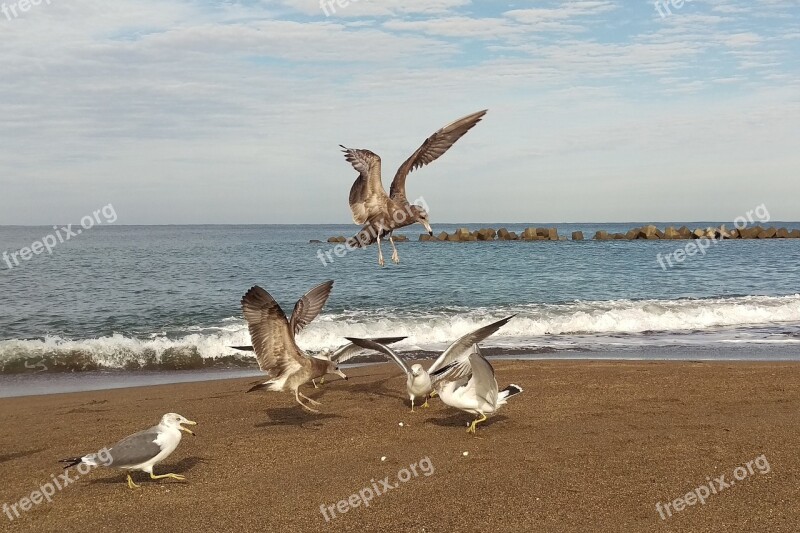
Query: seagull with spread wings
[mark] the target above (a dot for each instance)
(273, 334)
(472, 387)
(380, 213)
(420, 382)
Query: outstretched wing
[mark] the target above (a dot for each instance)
(309, 306)
(483, 377)
(461, 348)
(372, 345)
(367, 195)
(350, 350)
(433, 148)
(273, 340)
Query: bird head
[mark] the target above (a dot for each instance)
(416, 370)
(420, 215)
(174, 420)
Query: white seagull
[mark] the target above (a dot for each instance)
(476, 393)
(420, 382)
(141, 451)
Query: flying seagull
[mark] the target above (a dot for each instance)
(420, 382)
(277, 353)
(380, 214)
(476, 393)
(340, 355)
(142, 450)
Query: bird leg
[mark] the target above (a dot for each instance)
(425, 405)
(412, 404)
(322, 380)
(475, 423)
(304, 406)
(172, 476)
(303, 396)
(380, 253)
(315, 384)
(395, 257)
(434, 394)
(131, 484)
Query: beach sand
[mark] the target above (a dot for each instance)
(589, 446)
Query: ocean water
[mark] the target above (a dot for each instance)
(165, 298)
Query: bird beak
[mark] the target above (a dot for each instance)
(187, 430)
(427, 227)
(339, 372)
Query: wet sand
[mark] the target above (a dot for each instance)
(589, 446)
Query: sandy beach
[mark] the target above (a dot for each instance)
(589, 446)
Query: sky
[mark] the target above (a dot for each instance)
(199, 112)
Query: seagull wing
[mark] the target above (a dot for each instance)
(483, 378)
(135, 449)
(367, 195)
(433, 148)
(372, 345)
(309, 306)
(273, 340)
(350, 350)
(461, 348)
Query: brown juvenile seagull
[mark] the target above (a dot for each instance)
(381, 214)
(272, 335)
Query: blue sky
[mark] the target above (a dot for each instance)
(232, 112)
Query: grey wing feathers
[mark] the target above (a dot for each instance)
(135, 449)
(367, 193)
(462, 346)
(309, 306)
(433, 148)
(273, 341)
(372, 345)
(483, 376)
(350, 350)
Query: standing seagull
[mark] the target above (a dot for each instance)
(381, 214)
(477, 392)
(420, 382)
(142, 450)
(277, 353)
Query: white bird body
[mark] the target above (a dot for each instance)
(478, 393)
(420, 382)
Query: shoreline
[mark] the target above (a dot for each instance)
(588, 445)
(24, 385)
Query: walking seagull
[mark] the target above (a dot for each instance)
(420, 382)
(381, 214)
(272, 335)
(142, 450)
(476, 393)
(340, 355)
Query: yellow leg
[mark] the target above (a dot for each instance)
(131, 484)
(472, 427)
(425, 405)
(434, 394)
(322, 380)
(172, 476)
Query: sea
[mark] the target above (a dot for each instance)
(133, 305)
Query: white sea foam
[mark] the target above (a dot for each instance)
(563, 325)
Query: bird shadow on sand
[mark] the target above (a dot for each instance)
(18, 455)
(295, 416)
(379, 388)
(462, 420)
(182, 466)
